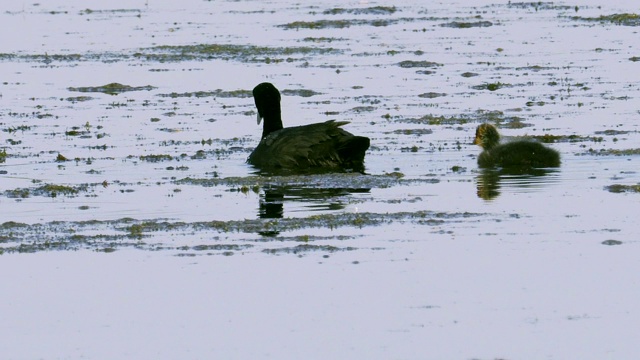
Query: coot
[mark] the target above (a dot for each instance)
(319, 147)
(514, 154)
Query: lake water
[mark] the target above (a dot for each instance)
(131, 226)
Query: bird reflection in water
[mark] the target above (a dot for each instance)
(490, 181)
(273, 199)
(271, 204)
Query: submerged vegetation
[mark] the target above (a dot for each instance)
(418, 64)
(618, 188)
(625, 19)
(215, 93)
(615, 152)
(177, 53)
(245, 53)
(375, 10)
(491, 86)
(320, 181)
(111, 89)
(127, 232)
(336, 24)
(540, 5)
(47, 190)
(497, 117)
(467, 25)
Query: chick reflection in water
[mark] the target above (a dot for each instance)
(490, 181)
(488, 184)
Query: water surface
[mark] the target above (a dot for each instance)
(131, 225)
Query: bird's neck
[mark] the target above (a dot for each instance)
(490, 144)
(272, 122)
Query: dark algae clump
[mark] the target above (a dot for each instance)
(375, 10)
(111, 89)
(619, 188)
(467, 25)
(615, 152)
(418, 64)
(625, 19)
(245, 53)
(47, 190)
(491, 86)
(111, 235)
(219, 93)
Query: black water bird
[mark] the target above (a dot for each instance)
(319, 147)
(513, 154)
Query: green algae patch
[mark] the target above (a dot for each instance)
(374, 10)
(492, 116)
(614, 152)
(613, 132)
(540, 5)
(245, 53)
(76, 99)
(467, 25)
(418, 64)
(362, 109)
(611, 242)
(43, 58)
(549, 138)
(14, 129)
(430, 119)
(151, 235)
(336, 24)
(12, 225)
(17, 193)
(432, 95)
(136, 231)
(469, 74)
(300, 92)
(307, 248)
(177, 53)
(323, 181)
(156, 158)
(619, 188)
(111, 89)
(219, 93)
(52, 190)
(491, 86)
(617, 19)
(3, 155)
(65, 240)
(48, 190)
(61, 158)
(137, 12)
(417, 132)
(221, 247)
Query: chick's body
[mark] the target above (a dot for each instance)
(520, 153)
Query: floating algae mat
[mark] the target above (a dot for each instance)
(111, 89)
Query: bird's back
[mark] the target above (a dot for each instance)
(301, 148)
(520, 154)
